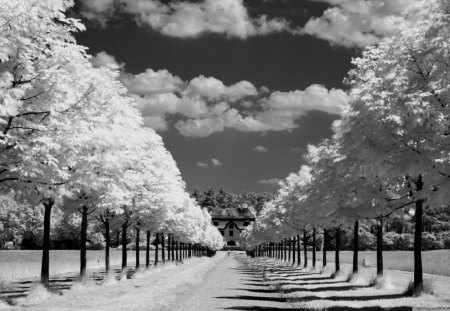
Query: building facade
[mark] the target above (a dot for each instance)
(231, 222)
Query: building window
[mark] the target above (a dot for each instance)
(215, 223)
(246, 223)
(231, 232)
(222, 232)
(231, 226)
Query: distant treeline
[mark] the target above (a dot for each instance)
(212, 199)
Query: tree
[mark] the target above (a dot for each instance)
(398, 122)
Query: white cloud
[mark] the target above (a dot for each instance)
(357, 22)
(216, 162)
(98, 10)
(205, 105)
(260, 149)
(202, 164)
(105, 59)
(212, 88)
(270, 181)
(186, 19)
(152, 82)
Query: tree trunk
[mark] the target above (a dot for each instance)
(83, 238)
(177, 251)
(124, 244)
(305, 251)
(173, 249)
(338, 242)
(289, 249)
(138, 232)
(107, 245)
(355, 246)
(285, 249)
(314, 248)
(380, 248)
(190, 250)
(293, 250)
(324, 248)
(163, 257)
(418, 275)
(156, 248)
(169, 245)
(299, 258)
(147, 249)
(45, 267)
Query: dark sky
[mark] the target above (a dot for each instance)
(280, 62)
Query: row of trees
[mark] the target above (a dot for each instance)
(390, 150)
(71, 137)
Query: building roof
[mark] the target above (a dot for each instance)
(230, 213)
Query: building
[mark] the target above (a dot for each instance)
(230, 222)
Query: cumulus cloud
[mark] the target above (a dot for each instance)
(270, 181)
(260, 149)
(347, 23)
(216, 162)
(213, 88)
(357, 22)
(98, 10)
(205, 105)
(202, 164)
(185, 19)
(105, 59)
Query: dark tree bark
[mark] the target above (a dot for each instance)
(147, 249)
(299, 258)
(325, 244)
(177, 251)
(138, 233)
(163, 257)
(314, 248)
(338, 242)
(173, 249)
(45, 267)
(305, 251)
(285, 248)
(83, 239)
(418, 275)
(190, 250)
(293, 250)
(380, 248)
(107, 244)
(124, 244)
(156, 248)
(289, 249)
(169, 246)
(355, 246)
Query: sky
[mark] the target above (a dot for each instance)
(237, 89)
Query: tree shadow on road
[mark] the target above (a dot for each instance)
(254, 308)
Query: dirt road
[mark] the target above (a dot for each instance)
(231, 285)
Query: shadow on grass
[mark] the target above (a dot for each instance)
(254, 308)
(347, 298)
(256, 298)
(311, 283)
(296, 290)
(255, 284)
(259, 308)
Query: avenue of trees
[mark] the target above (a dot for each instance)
(72, 141)
(389, 155)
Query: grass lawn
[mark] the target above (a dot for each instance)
(434, 262)
(18, 264)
